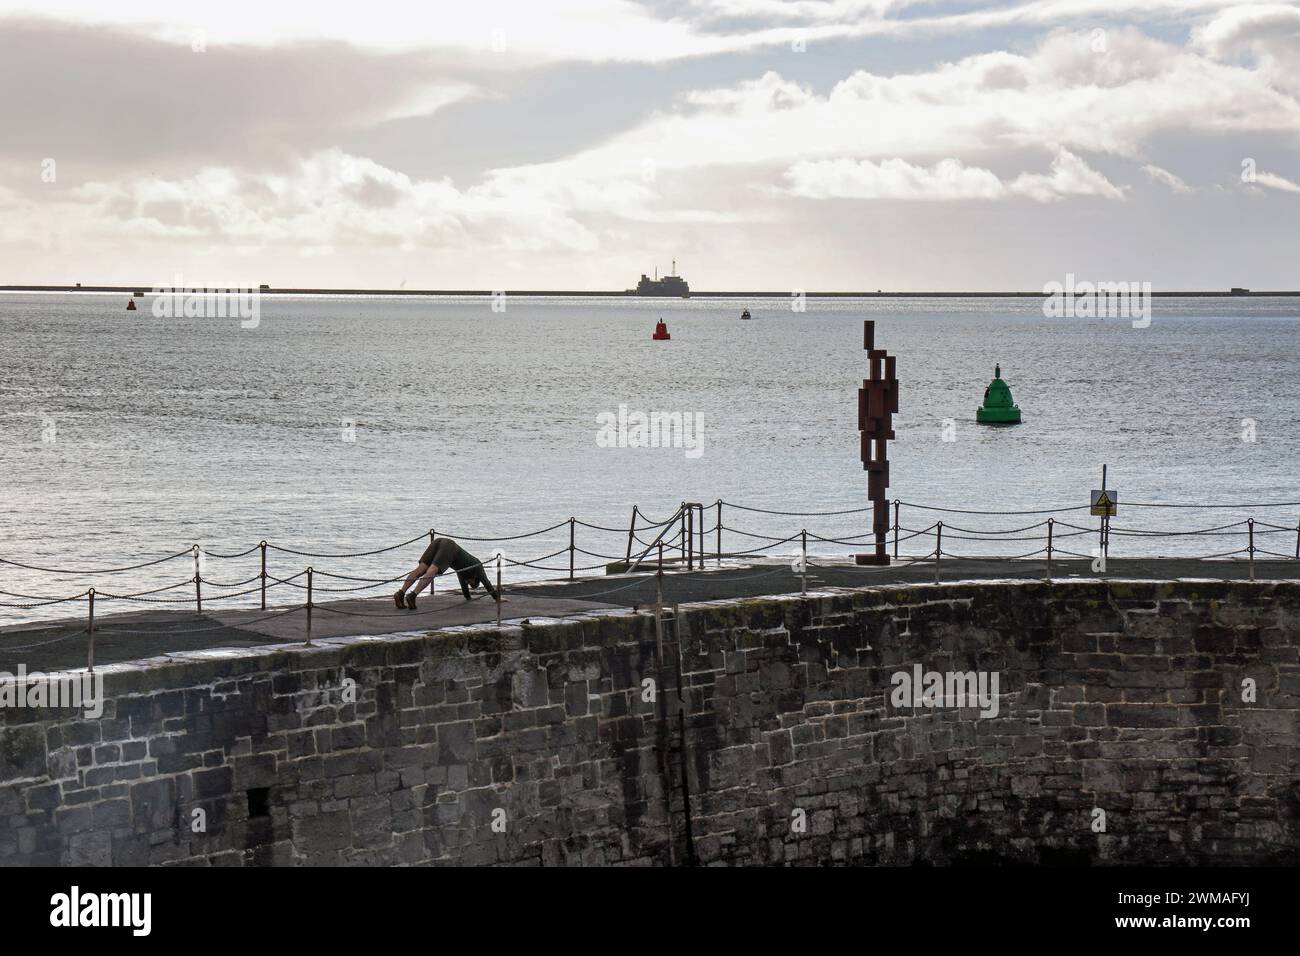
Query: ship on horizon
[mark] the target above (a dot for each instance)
(669, 285)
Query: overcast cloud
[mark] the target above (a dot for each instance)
(255, 146)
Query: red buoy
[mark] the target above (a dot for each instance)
(661, 332)
(130, 305)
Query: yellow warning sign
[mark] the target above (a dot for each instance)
(1105, 503)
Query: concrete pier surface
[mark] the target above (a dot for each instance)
(63, 645)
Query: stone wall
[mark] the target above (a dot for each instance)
(538, 745)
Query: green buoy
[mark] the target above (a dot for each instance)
(998, 408)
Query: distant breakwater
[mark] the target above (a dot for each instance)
(620, 294)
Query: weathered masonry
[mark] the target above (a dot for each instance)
(1169, 706)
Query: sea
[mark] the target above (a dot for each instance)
(337, 426)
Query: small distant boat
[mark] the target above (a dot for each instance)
(746, 315)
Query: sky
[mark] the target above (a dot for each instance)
(903, 145)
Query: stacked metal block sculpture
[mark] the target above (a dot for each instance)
(877, 402)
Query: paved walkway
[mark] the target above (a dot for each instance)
(60, 645)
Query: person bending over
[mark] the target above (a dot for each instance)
(444, 554)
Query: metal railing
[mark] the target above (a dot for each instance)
(684, 531)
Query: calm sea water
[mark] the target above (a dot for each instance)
(126, 437)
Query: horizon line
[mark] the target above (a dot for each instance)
(143, 290)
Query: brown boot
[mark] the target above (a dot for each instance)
(398, 599)
(410, 602)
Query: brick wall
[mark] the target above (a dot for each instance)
(543, 744)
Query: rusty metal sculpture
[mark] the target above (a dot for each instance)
(877, 401)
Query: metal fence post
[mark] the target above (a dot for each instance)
(1297, 546)
(263, 575)
(938, 549)
(90, 647)
(896, 504)
(433, 582)
(198, 589)
(631, 533)
(498, 589)
(309, 574)
(1101, 524)
(1250, 547)
(803, 565)
(1051, 522)
(571, 546)
(697, 554)
(689, 518)
(700, 506)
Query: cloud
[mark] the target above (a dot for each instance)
(330, 200)
(946, 180)
(286, 138)
(1270, 32)
(1166, 178)
(1263, 37)
(769, 92)
(518, 34)
(98, 101)
(1070, 176)
(1274, 181)
(524, 33)
(1060, 97)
